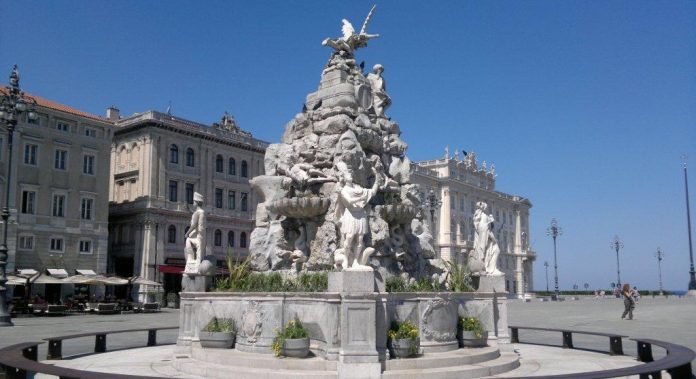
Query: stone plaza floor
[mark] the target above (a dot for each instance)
(670, 320)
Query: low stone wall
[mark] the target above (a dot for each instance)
(258, 315)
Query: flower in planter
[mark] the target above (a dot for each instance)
(215, 325)
(471, 324)
(292, 330)
(404, 330)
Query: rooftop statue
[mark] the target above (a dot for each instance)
(352, 41)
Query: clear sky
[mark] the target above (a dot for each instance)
(584, 106)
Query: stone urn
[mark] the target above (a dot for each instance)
(397, 213)
(468, 338)
(300, 207)
(404, 348)
(295, 347)
(218, 340)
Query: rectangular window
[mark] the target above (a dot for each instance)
(173, 190)
(89, 132)
(86, 208)
(26, 242)
(28, 202)
(88, 165)
(189, 193)
(58, 205)
(61, 159)
(231, 200)
(63, 127)
(57, 244)
(30, 153)
(218, 198)
(85, 247)
(461, 204)
(245, 201)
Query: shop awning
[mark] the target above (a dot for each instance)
(170, 269)
(85, 272)
(57, 272)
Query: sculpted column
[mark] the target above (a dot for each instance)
(519, 280)
(445, 233)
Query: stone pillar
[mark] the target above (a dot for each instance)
(445, 233)
(358, 357)
(519, 279)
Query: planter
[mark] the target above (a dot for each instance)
(296, 347)
(219, 340)
(468, 339)
(404, 348)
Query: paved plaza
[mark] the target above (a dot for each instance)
(665, 319)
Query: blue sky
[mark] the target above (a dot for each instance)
(584, 106)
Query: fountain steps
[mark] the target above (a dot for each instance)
(461, 363)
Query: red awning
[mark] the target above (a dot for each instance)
(169, 269)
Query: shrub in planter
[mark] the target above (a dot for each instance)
(403, 339)
(173, 300)
(471, 332)
(219, 333)
(292, 340)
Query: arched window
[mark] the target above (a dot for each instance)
(218, 237)
(171, 234)
(245, 170)
(174, 154)
(230, 238)
(190, 157)
(232, 169)
(242, 240)
(219, 164)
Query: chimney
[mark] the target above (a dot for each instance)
(112, 113)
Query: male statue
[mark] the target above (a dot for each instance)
(380, 99)
(195, 237)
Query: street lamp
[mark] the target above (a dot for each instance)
(13, 103)
(692, 274)
(554, 231)
(433, 203)
(616, 244)
(660, 256)
(546, 267)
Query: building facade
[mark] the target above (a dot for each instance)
(158, 161)
(59, 194)
(460, 184)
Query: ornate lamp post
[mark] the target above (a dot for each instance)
(616, 244)
(660, 256)
(554, 231)
(13, 103)
(546, 266)
(433, 203)
(692, 274)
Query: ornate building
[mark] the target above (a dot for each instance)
(158, 161)
(58, 199)
(460, 184)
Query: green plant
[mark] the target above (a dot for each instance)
(404, 330)
(471, 324)
(458, 277)
(424, 284)
(292, 330)
(225, 325)
(395, 284)
(392, 198)
(238, 269)
(272, 282)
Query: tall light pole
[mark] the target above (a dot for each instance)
(546, 266)
(692, 274)
(13, 104)
(554, 231)
(616, 244)
(660, 256)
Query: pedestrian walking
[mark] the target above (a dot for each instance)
(629, 301)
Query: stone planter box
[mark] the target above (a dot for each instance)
(468, 339)
(218, 340)
(295, 347)
(403, 348)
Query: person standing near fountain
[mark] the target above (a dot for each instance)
(352, 201)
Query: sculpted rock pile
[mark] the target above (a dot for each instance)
(336, 190)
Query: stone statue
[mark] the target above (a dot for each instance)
(485, 244)
(351, 213)
(380, 99)
(492, 171)
(195, 237)
(351, 40)
(447, 154)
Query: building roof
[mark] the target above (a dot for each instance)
(40, 101)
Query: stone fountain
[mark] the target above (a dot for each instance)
(337, 196)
